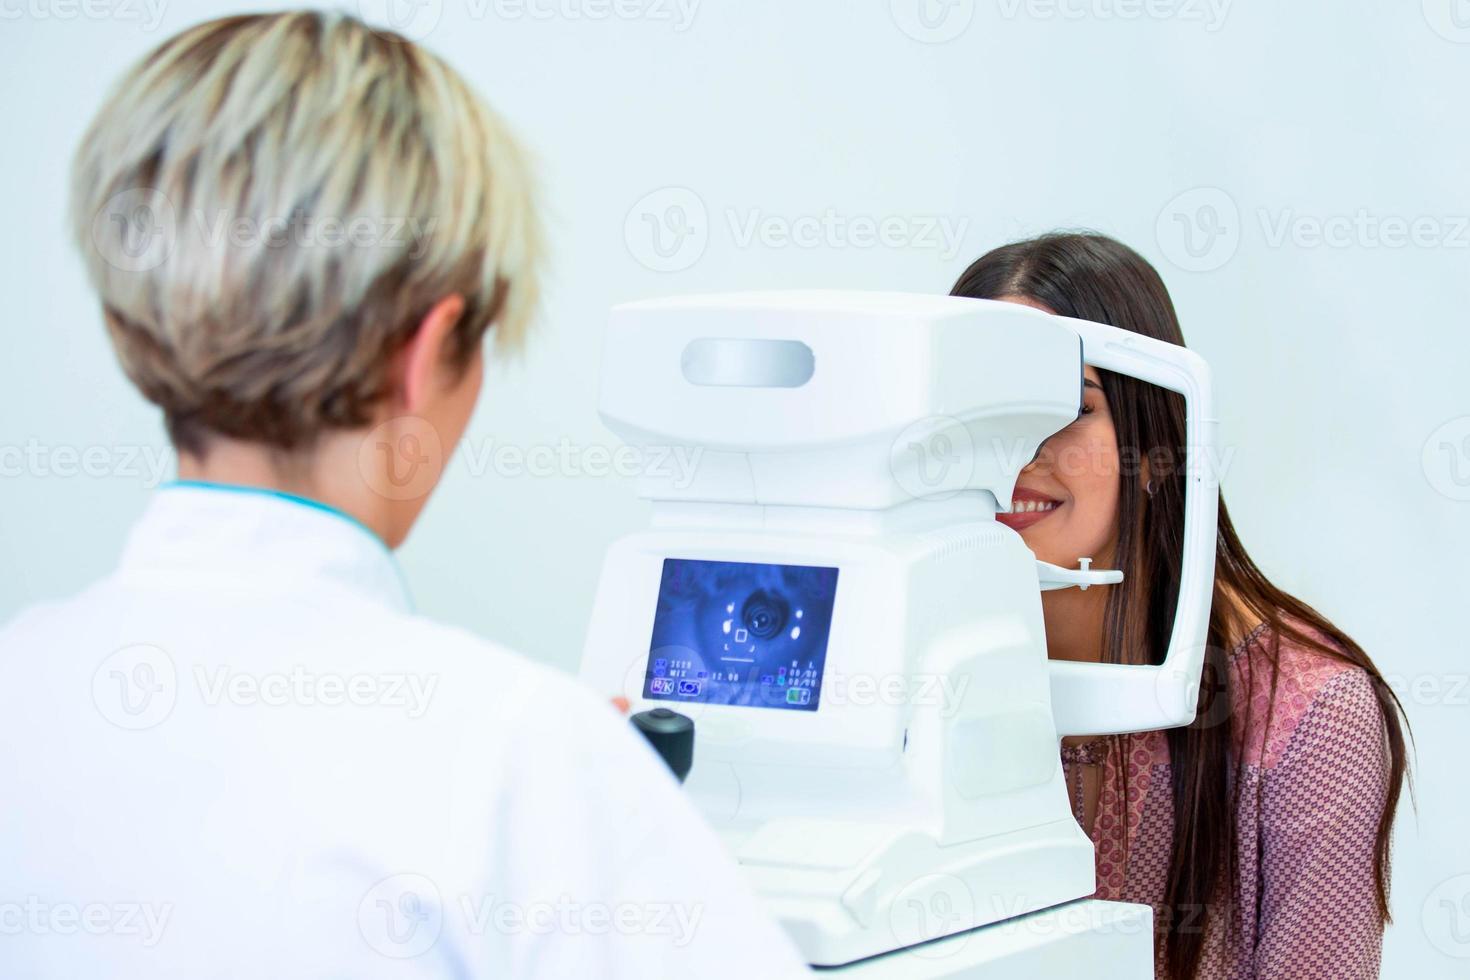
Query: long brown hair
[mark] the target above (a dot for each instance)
(1093, 277)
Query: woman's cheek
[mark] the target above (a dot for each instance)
(1094, 525)
(1040, 543)
(1076, 462)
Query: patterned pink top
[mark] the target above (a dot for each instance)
(1315, 782)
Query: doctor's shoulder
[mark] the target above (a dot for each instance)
(492, 691)
(34, 623)
(591, 814)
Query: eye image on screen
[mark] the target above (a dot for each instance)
(740, 633)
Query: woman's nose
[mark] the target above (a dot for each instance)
(1042, 461)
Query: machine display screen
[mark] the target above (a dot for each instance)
(740, 633)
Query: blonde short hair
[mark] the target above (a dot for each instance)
(269, 205)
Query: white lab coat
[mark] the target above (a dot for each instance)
(242, 754)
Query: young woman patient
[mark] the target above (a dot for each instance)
(1260, 833)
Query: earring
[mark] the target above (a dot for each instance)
(1148, 488)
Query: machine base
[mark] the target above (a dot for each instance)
(1101, 940)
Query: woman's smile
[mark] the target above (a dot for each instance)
(1028, 507)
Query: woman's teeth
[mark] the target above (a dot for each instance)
(1029, 506)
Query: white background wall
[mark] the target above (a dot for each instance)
(1215, 139)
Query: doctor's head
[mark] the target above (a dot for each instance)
(301, 231)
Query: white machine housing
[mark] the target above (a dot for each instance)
(878, 434)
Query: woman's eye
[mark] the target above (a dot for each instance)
(1086, 409)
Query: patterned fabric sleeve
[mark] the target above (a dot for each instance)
(1319, 818)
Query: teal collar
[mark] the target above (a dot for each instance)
(279, 495)
(193, 521)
